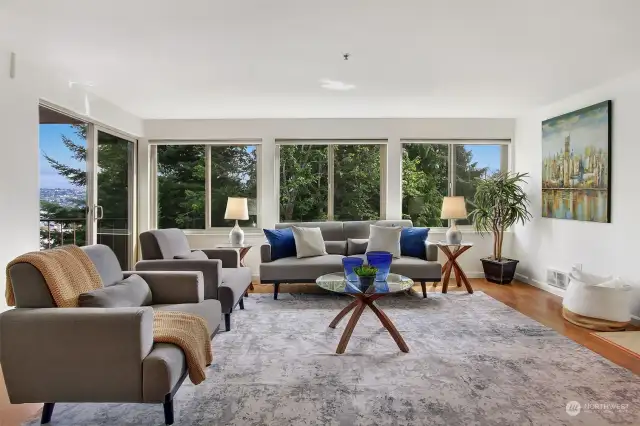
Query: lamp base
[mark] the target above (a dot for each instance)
(453, 235)
(236, 236)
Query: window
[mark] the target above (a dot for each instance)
(234, 173)
(181, 186)
(194, 182)
(330, 182)
(433, 170)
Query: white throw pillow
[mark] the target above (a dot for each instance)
(384, 238)
(309, 242)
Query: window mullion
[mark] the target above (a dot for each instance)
(452, 173)
(331, 181)
(207, 187)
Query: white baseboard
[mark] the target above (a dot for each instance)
(635, 320)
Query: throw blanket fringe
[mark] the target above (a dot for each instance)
(69, 272)
(191, 334)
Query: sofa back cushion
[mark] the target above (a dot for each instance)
(163, 244)
(106, 263)
(331, 231)
(357, 246)
(31, 290)
(336, 247)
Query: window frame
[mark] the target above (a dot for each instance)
(208, 144)
(505, 161)
(330, 144)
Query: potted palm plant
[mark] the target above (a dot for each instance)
(500, 202)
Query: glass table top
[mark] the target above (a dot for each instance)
(337, 283)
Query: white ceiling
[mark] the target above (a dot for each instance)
(237, 58)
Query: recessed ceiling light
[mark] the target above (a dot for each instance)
(328, 84)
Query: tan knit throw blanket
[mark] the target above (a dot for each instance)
(69, 272)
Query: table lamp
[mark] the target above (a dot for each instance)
(236, 210)
(453, 208)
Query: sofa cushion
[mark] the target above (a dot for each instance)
(210, 310)
(128, 293)
(106, 263)
(331, 231)
(413, 242)
(383, 238)
(163, 243)
(193, 255)
(29, 287)
(309, 242)
(336, 247)
(290, 269)
(357, 246)
(282, 242)
(357, 229)
(416, 269)
(235, 282)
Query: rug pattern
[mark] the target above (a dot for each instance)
(472, 361)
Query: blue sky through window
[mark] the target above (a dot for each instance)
(51, 144)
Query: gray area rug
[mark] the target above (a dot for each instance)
(472, 361)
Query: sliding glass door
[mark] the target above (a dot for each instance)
(115, 182)
(87, 185)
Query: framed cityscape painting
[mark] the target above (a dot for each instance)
(576, 165)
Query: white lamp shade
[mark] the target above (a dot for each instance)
(453, 208)
(236, 209)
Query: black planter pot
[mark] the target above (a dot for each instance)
(366, 282)
(499, 272)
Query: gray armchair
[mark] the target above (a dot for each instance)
(96, 354)
(224, 279)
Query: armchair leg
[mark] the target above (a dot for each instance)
(241, 304)
(424, 289)
(276, 287)
(168, 409)
(47, 412)
(227, 322)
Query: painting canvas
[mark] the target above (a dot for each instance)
(576, 165)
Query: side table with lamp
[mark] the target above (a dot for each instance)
(454, 208)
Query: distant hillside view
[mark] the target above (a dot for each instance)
(65, 197)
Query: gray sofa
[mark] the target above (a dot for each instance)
(51, 354)
(336, 236)
(224, 278)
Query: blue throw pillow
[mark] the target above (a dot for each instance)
(413, 242)
(282, 242)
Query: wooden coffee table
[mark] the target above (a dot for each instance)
(365, 297)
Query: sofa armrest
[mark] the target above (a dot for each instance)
(173, 286)
(230, 257)
(432, 251)
(211, 271)
(265, 253)
(75, 354)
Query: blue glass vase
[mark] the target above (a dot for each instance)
(382, 261)
(349, 264)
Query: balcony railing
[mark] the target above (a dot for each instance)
(55, 232)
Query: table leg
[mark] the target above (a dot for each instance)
(465, 280)
(346, 336)
(456, 270)
(342, 313)
(386, 322)
(445, 280)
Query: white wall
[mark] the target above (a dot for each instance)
(601, 248)
(268, 130)
(19, 172)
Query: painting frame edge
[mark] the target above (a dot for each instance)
(609, 105)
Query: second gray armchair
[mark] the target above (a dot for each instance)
(224, 278)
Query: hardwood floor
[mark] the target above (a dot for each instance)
(544, 307)
(535, 303)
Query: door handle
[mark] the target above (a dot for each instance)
(99, 212)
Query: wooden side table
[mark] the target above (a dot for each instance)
(453, 251)
(243, 249)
